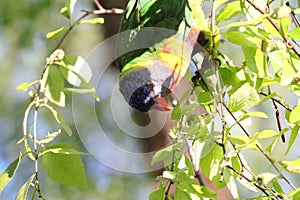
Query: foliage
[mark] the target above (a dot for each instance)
(229, 92)
(233, 93)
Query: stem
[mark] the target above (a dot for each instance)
(101, 11)
(260, 187)
(275, 25)
(277, 101)
(277, 114)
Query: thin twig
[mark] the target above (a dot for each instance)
(277, 101)
(260, 149)
(86, 14)
(277, 114)
(275, 25)
(262, 188)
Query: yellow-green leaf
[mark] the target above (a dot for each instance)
(295, 115)
(22, 194)
(99, 20)
(9, 173)
(229, 11)
(26, 85)
(56, 34)
(291, 166)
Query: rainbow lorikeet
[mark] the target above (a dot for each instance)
(154, 52)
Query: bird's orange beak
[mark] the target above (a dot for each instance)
(165, 103)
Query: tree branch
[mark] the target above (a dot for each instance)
(275, 25)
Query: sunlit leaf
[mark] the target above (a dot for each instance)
(242, 39)
(59, 119)
(76, 71)
(169, 175)
(252, 22)
(229, 11)
(64, 168)
(99, 20)
(294, 134)
(265, 178)
(26, 85)
(70, 4)
(295, 115)
(22, 193)
(9, 173)
(295, 194)
(61, 150)
(294, 33)
(158, 194)
(56, 34)
(167, 153)
(256, 61)
(265, 134)
(291, 166)
(281, 12)
(64, 12)
(243, 98)
(210, 162)
(50, 137)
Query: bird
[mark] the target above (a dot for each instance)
(154, 49)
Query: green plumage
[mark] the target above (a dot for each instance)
(143, 19)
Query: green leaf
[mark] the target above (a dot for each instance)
(295, 195)
(281, 12)
(169, 175)
(242, 39)
(66, 151)
(295, 115)
(210, 162)
(158, 194)
(270, 28)
(9, 173)
(76, 71)
(278, 59)
(181, 192)
(59, 119)
(56, 34)
(26, 85)
(99, 20)
(243, 142)
(243, 98)
(277, 186)
(291, 166)
(64, 12)
(294, 33)
(284, 24)
(50, 137)
(176, 114)
(294, 133)
(252, 22)
(167, 154)
(70, 4)
(265, 178)
(22, 194)
(54, 85)
(265, 134)
(64, 168)
(90, 91)
(229, 11)
(256, 61)
(26, 131)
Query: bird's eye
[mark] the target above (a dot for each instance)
(150, 85)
